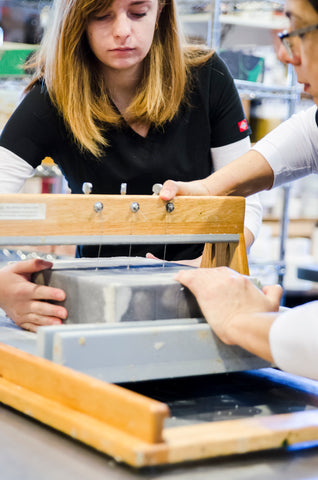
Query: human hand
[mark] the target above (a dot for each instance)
(249, 238)
(224, 295)
(170, 189)
(195, 262)
(26, 303)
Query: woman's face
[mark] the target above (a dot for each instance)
(305, 50)
(121, 36)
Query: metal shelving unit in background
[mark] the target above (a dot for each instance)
(222, 16)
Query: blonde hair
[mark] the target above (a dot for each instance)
(76, 87)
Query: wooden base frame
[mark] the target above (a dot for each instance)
(129, 426)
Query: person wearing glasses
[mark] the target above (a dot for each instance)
(238, 312)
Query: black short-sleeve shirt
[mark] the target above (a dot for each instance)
(212, 117)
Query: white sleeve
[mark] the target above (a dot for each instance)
(293, 339)
(222, 156)
(13, 171)
(291, 149)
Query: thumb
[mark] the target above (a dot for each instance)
(151, 256)
(30, 266)
(274, 294)
(169, 190)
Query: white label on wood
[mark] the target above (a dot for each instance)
(22, 211)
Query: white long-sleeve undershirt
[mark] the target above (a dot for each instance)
(291, 149)
(292, 152)
(293, 340)
(14, 171)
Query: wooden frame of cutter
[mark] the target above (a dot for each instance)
(113, 420)
(77, 219)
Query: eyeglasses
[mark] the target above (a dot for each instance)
(300, 32)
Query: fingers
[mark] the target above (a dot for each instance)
(32, 322)
(46, 309)
(204, 274)
(274, 294)
(39, 314)
(184, 277)
(29, 326)
(151, 256)
(169, 190)
(28, 291)
(42, 292)
(195, 262)
(27, 303)
(30, 266)
(33, 325)
(196, 280)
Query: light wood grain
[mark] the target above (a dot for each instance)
(68, 401)
(82, 427)
(120, 408)
(74, 215)
(232, 437)
(232, 255)
(118, 422)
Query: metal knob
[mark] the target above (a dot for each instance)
(87, 188)
(156, 188)
(134, 207)
(123, 188)
(98, 207)
(169, 207)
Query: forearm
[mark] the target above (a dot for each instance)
(251, 332)
(249, 238)
(246, 175)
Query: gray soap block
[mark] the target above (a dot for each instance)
(120, 289)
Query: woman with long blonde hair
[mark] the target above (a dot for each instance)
(117, 97)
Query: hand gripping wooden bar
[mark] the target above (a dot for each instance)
(56, 218)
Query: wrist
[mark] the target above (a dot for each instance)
(251, 332)
(231, 330)
(215, 184)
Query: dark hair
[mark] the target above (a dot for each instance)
(314, 3)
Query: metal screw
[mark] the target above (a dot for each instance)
(87, 187)
(98, 207)
(169, 207)
(156, 188)
(134, 207)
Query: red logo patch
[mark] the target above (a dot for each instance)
(243, 125)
